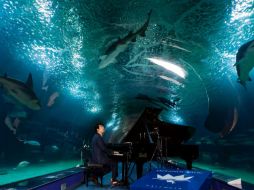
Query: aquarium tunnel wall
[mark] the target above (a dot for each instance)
(67, 64)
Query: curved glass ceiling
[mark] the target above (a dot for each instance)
(108, 60)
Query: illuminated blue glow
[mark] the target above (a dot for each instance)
(43, 55)
(115, 121)
(44, 7)
(92, 106)
(75, 40)
(75, 91)
(240, 11)
(110, 124)
(115, 128)
(175, 117)
(81, 92)
(94, 109)
(78, 61)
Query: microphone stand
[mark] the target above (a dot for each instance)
(158, 150)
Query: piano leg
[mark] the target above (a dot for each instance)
(125, 170)
(126, 181)
(188, 164)
(139, 168)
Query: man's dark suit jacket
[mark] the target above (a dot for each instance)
(99, 150)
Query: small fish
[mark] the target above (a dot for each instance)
(8, 123)
(32, 143)
(52, 99)
(23, 164)
(54, 148)
(121, 45)
(45, 80)
(16, 122)
(245, 62)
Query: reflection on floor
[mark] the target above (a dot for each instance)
(106, 179)
(224, 174)
(17, 174)
(221, 171)
(106, 185)
(132, 177)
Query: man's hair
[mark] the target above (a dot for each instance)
(97, 126)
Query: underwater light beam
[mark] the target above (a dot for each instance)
(171, 80)
(242, 11)
(44, 7)
(169, 66)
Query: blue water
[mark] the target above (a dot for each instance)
(60, 42)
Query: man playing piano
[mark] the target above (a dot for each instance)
(100, 153)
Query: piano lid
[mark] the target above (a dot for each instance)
(148, 128)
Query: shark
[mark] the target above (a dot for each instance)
(245, 62)
(172, 179)
(20, 92)
(121, 44)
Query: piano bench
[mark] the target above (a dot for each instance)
(95, 170)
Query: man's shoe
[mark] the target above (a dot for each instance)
(114, 182)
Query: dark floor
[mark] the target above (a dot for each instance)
(106, 185)
(106, 179)
(132, 179)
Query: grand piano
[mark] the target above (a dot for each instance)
(151, 139)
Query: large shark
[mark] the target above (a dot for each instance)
(245, 62)
(121, 45)
(172, 179)
(21, 92)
